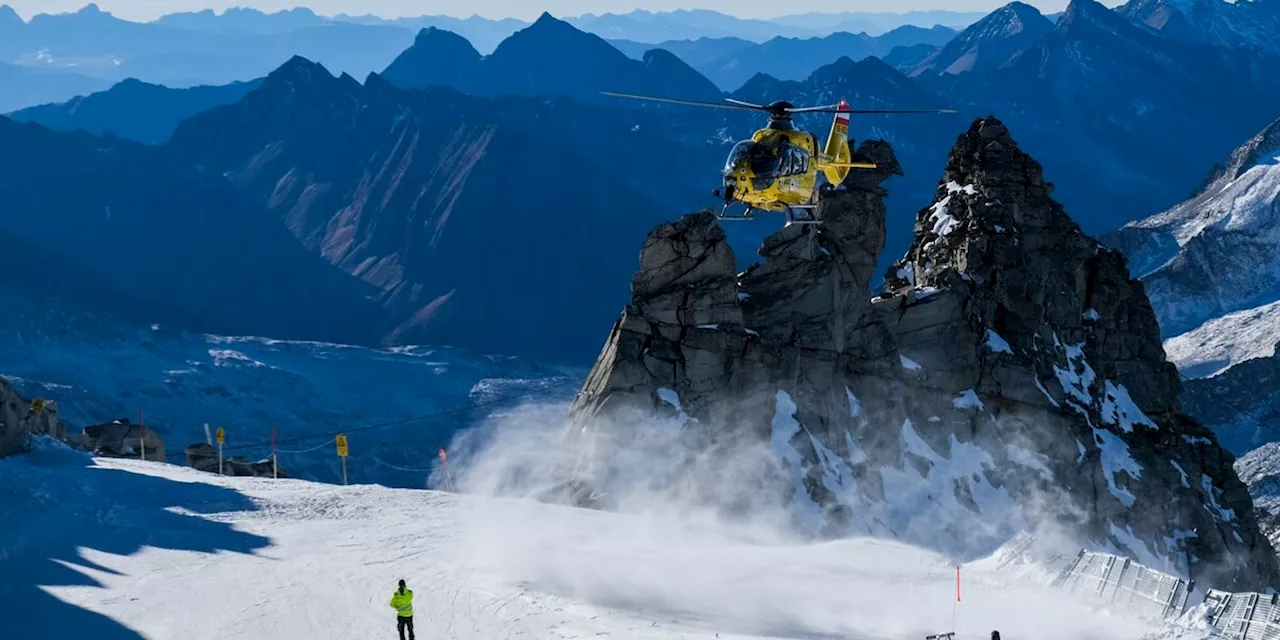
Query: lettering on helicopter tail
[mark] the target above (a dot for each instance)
(839, 133)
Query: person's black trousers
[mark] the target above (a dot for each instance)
(401, 623)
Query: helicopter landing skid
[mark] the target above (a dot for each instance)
(791, 212)
(748, 214)
(808, 215)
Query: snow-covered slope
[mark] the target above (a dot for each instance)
(1226, 23)
(123, 550)
(1260, 469)
(99, 369)
(1215, 253)
(1224, 342)
(1211, 267)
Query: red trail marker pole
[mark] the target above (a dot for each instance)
(444, 460)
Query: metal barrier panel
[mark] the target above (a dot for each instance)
(1244, 616)
(1127, 585)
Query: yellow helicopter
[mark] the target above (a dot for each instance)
(781, 169)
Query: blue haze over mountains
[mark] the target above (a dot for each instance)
(462, 182)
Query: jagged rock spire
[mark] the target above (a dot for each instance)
(1011, 378)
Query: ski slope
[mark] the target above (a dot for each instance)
(116, 550)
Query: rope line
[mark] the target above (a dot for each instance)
(317, 447)
(421, 418)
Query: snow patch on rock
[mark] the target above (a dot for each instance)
(1119, 409)
(1117, 459)
(967, 400)
(997, 344)
(785, 429)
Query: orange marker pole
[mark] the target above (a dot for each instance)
(957, 583)
(444, 461)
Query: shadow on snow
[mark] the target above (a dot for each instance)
(54, 503)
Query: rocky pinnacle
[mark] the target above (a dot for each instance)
(1009, 378)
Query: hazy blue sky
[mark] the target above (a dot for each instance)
(148, 9)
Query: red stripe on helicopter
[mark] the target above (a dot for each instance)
(843, 118)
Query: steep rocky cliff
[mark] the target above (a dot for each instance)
(1011, 378)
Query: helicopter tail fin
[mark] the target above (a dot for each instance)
(837, 150)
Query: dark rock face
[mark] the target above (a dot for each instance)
(122, 439)
(204, 457)
(21, 418)
(1011, 378)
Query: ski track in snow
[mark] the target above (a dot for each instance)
(122, 549)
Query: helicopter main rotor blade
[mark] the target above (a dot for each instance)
(746, 104)
(692, 103)
(867, 111)
(830, 107)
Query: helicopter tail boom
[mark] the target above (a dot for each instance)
(837, 150)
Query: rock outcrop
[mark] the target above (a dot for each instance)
(21, 418)
(1011, 378)
(122, 439)
(204, 457)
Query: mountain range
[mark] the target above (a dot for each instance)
(66, 55)
(1254, 23)
(730, 66)
(133, 110)
(539, 91)
(551, 57)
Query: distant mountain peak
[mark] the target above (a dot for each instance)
(1085, 10)
(301, 72)
(91, 9)
(8, 14)
(990, 41)
(1263, 147)
(546, 19)
(435, 37)
(551, 36)
(437, 57)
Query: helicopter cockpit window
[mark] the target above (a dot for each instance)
(768, 159)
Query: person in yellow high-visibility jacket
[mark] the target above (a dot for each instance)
(402, 602)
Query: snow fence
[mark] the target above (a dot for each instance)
(1244, 616)
(1127, 585)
